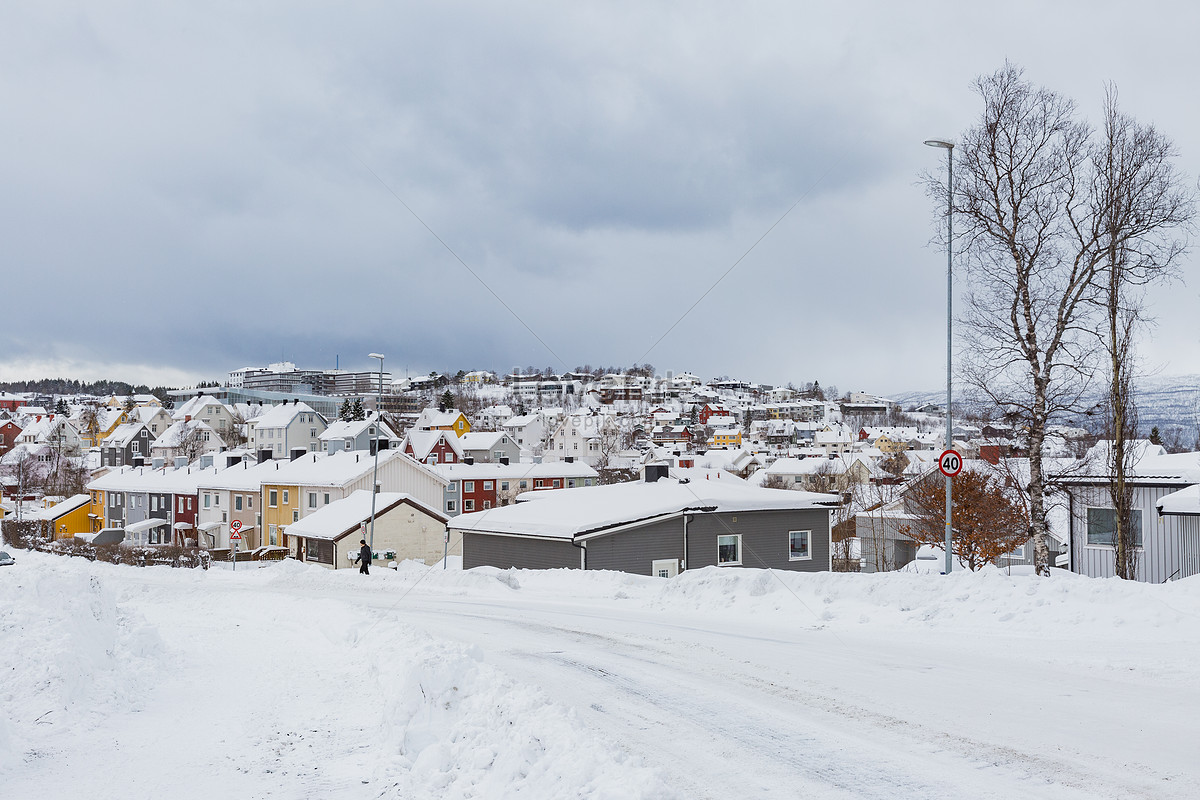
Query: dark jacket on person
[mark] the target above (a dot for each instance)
(364, 554)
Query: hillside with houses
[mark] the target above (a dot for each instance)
(292, 456)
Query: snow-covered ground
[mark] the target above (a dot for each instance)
(293, 682)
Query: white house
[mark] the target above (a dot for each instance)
(287, 428)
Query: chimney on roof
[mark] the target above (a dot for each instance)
(180, 462)
(158, 463)
(569, 459)
(297, 452)
(469, 460)
(264, 455)
(504, 460)
(139, 461)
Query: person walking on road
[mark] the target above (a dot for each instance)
(364, 557)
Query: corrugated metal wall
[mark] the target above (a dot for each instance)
(1161, 556)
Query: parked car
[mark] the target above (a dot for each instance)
(6, 560)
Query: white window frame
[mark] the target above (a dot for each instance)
(1141, 523)
(468, 505)
(737, 537)
(808, 546)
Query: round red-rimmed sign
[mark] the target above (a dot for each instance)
(950, 463)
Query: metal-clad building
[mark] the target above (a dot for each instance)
(1170, 542)
(661, 527)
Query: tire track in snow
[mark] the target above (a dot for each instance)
(763, 735)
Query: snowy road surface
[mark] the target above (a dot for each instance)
(293, 682)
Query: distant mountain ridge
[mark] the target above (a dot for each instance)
(1163, 401)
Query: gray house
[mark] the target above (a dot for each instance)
(660, 526)
(490, 448)
(129, 441)
(358, 435)
(1165, 534)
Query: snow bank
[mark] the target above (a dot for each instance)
(1062, 605)
(68, 652)
(425, 717)
(463, 729)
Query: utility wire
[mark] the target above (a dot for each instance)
(725, 274)
(466, 266)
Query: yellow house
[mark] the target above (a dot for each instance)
(281, 507)
(453, 420)
(96, 510)
(731, 437)
(106, 422)
(888, 445)
(65, 518)
(70, 517)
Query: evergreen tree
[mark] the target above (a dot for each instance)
(1155, 436)
(346, 413)
(357, 413)
(447, 401)
(61, 408)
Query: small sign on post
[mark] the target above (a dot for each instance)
(950, 463)
(235, 536)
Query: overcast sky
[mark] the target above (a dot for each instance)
(188, 188)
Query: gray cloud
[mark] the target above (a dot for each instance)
(184, 187)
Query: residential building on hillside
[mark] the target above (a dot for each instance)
(287, 429)
(187, 440)
(129, 441)
(431, 419)
(432, 447)
(485, 448)
(358, 435)
(478, 487)
(207, 409)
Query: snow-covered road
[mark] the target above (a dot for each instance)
(294, 682)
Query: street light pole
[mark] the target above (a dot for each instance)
(949, 148)
(375, 479)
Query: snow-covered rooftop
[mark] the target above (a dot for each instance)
(514, 471)
(567, 513)
(281, 416)
(342, 516)
(1185, 501)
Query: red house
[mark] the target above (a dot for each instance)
(433, 447)
(185, 506)
(723, 415)
(9, 431)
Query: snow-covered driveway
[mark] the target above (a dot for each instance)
(293, 682)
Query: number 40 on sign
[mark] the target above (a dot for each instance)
(950, 463)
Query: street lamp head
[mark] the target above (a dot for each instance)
(940, 143)
(375, 355)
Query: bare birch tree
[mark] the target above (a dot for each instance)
(1022, 199)
(1142, 212)
(1059, 225)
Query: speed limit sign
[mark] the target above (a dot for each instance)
(950, 463)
